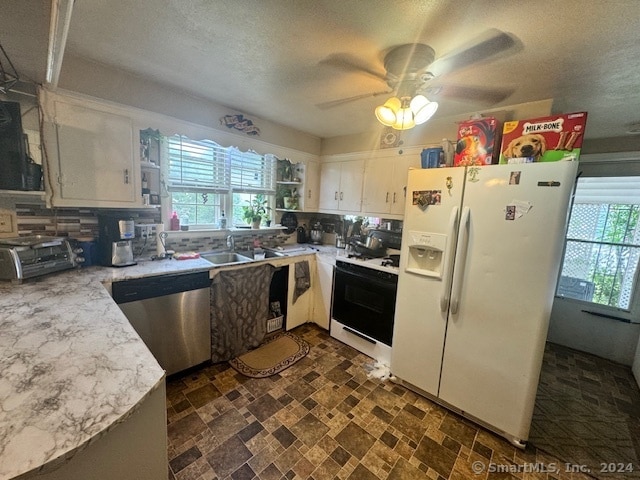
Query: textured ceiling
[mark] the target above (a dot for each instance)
(270, 58)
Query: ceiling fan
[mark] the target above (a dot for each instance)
(411, 68)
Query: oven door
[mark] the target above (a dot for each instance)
(364, 301)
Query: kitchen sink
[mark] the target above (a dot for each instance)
(267, 254)
(225, 258)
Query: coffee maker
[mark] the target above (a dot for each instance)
(115, 247)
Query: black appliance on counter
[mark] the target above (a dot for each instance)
(13, 155)
(115, 247)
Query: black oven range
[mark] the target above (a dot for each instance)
(363, 308)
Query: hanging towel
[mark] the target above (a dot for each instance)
(303, 279)
(239, 310)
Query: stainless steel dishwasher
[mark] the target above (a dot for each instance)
(171, 315)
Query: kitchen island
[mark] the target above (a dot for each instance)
(80, 393)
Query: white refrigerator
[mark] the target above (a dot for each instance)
(481, 250)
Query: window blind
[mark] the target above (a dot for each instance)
(197, 165)
(252, 172)
(603, 190)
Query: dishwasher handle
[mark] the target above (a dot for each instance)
(158, 286)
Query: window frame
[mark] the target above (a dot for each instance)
(227, 191)
(606, 165)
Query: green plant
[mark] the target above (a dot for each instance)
(256, 210)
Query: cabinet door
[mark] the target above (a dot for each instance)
(351, 179)
(298, 312)
(311, 200)
(398, 185)
(322, 293)
(330, 186)
(377, 193)
(95, 158)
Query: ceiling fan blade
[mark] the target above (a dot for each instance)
(336, 103)
(487, 96)
(350, 63)
(488, 45)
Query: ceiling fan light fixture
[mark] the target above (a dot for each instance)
(386, 114)
(405, 113)
(404, 119)
(422, 109)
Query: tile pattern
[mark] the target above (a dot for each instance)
(588, 411)
(324, 418)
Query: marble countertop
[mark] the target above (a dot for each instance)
(71, 365)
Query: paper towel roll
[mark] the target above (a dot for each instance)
(159, 245)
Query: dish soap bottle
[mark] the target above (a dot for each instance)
(174, 222)
(223, 221)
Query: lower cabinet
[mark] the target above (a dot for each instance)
(299, 311)
(322, 291)
(135, 449)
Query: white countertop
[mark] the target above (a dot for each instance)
(71, 365)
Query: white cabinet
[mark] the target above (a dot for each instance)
(341, 186)
(90, 155)
(323, 290)
(311, 200)
(299, 312)
(385, 182)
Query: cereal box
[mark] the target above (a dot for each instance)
(544, 139)
(477, 141)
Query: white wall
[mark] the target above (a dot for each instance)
(604, 337)
(97, 80)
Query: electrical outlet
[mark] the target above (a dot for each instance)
(6, 223)
(144, 230)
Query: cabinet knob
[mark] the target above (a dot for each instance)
(341, 195)
(394, 197)
(335, 197)
(386, 199)
(309, 194)
(126, 176)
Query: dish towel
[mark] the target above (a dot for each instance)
(303, 279)
(239, 310)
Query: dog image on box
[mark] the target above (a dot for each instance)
(544, 139)
(529, 145)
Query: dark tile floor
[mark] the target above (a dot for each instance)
(588, 412)
(323, 418)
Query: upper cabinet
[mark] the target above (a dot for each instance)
(311, 200)
(90, 156)
(341, 186)
(385, 184)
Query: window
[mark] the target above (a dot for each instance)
(204, 177)
(603, 242)
(252, 175)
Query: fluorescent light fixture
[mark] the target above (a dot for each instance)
(58, 30)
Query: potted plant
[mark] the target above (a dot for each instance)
(256, 210)
(291, 199)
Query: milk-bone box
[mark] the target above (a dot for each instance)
(477, 142)
(544, 139)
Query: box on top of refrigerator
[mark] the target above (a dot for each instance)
(543, 139)
(477, 142)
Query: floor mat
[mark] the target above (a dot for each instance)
(278, 353)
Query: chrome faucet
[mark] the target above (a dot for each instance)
(231, 243)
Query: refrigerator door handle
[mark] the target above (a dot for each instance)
(461, 256)
(448, 259)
